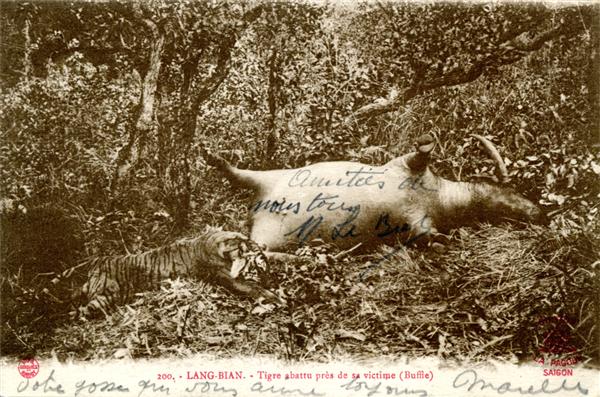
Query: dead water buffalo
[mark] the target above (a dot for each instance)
(349, 202)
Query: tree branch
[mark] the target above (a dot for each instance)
(27, 50)
(509, 52)
(214, 80)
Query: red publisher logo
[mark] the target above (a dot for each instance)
(557, 335)
(28, 368)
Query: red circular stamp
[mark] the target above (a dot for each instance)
(28, 368)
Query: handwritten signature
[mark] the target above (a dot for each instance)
(344, 229)
(469, 379)
(383, 228)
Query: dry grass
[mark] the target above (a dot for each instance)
(491, 294)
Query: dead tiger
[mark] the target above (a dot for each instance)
(227, 258)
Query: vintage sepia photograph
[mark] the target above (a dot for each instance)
(301, 182)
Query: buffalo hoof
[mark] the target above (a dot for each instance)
(425, 143)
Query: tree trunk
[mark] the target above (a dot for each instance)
(129, 154)
(179, 170)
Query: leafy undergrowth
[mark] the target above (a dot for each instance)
(495, 292)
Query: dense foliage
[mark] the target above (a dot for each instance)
(105, 109)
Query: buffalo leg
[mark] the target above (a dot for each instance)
(280, 256)
(418, 161)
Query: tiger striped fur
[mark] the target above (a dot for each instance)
(215, 254)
